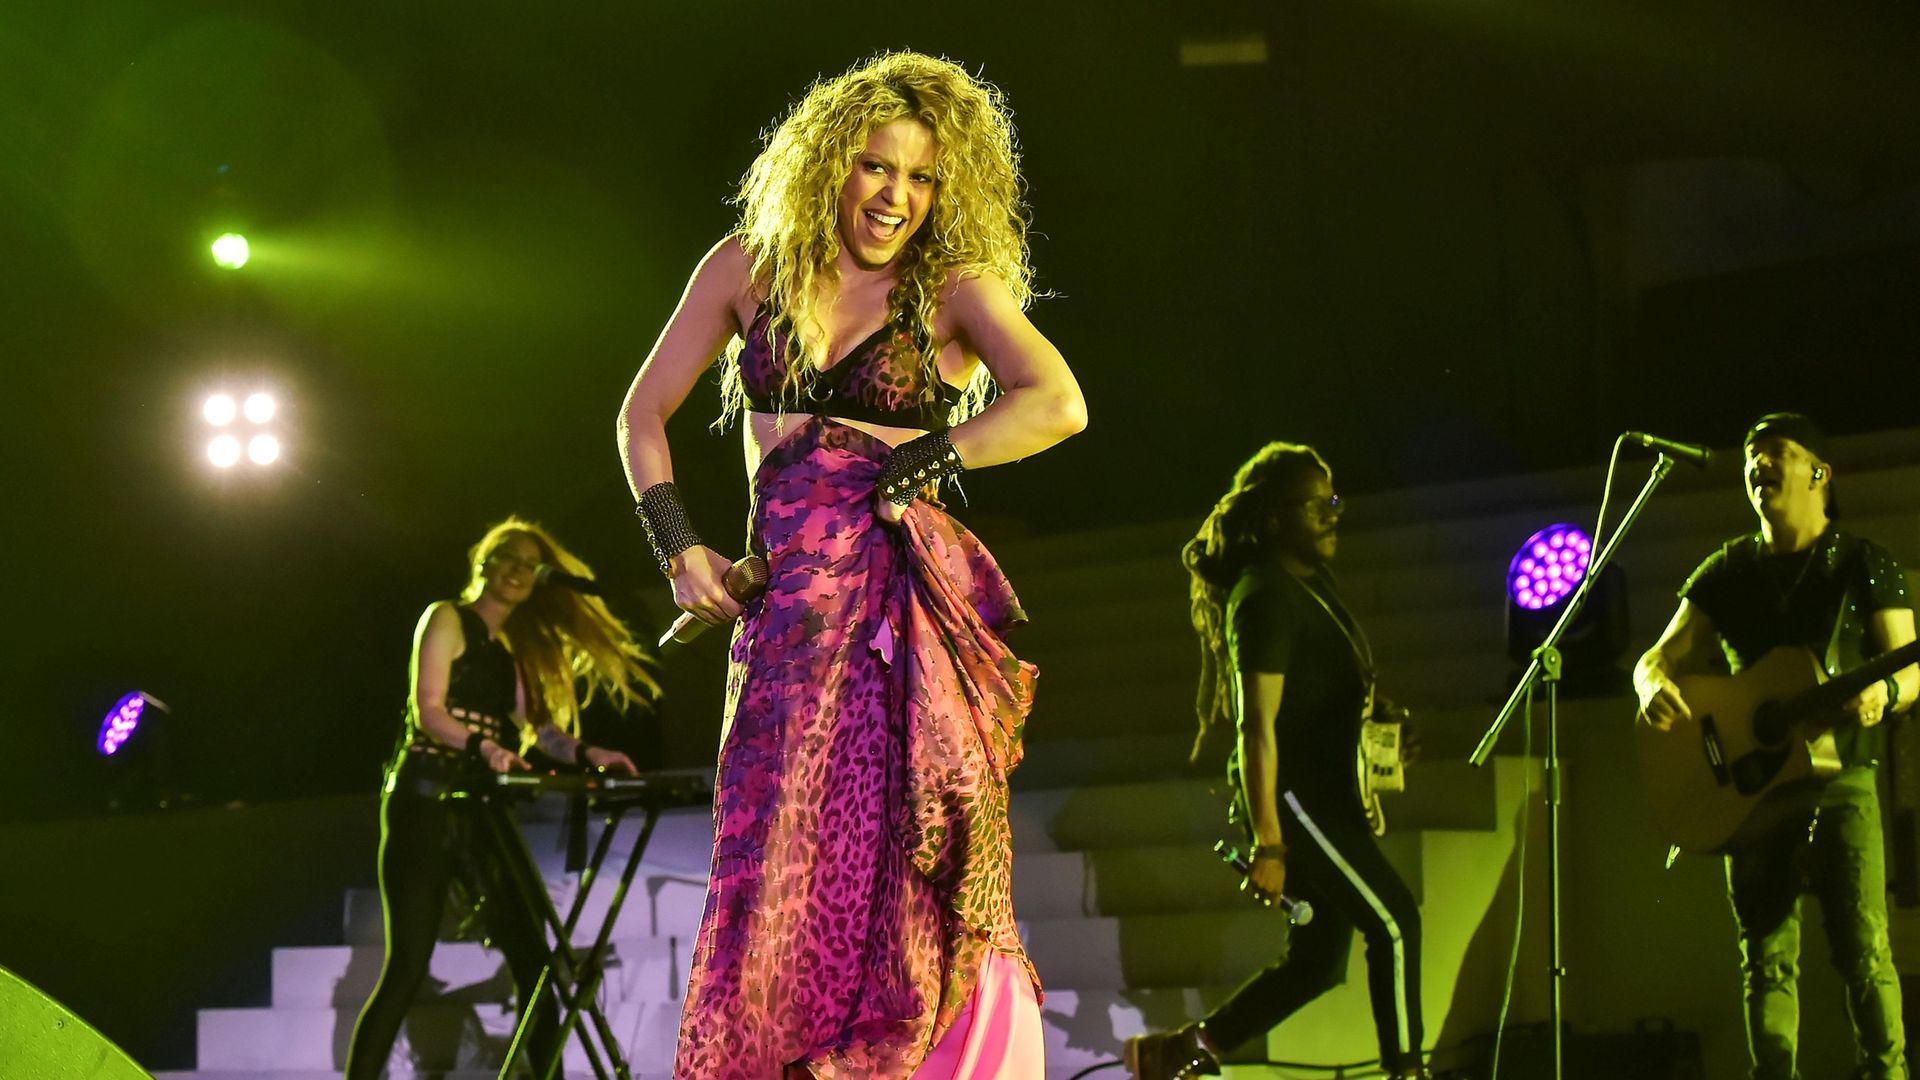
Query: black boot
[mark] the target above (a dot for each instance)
(1173, 1055)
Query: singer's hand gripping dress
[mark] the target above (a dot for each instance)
(861, 862)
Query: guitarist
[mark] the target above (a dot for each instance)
(1286, 666)
(1800, 581)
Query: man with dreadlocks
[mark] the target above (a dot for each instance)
(859, 922)
(1285, 664)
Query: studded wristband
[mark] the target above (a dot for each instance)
(915, 464)
(664, 516)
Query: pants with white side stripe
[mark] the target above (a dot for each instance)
(1334, 862)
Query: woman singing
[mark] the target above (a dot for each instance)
(858, 921)
(493, 676)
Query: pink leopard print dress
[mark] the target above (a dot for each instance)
(862, 854)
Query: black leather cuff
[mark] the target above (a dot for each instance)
(915, 464)
(664, 516)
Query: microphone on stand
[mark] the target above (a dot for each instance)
(1298, 912)
(1692, 453)
(549, 574)
(744, 580)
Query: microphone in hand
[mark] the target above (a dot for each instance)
(1298, 912)
(744, 580)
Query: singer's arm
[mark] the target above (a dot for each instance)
(534, 718)
(1039, 403)
(700, 327)
(1258, 703)
(566, 749)
(437, 643)
(1682, 646)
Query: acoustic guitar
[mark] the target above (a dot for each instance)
(1758, 745)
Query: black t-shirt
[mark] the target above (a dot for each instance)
(1281, 624)
(1759, 601)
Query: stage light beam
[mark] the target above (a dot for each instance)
(260, 407)
(1541, 576)
(263, 449)
(219, 410)
(224, 451)
(1548, 566)
(231, 251)
(119, 724)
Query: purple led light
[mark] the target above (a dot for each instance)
(1548, 566)
(118, 725)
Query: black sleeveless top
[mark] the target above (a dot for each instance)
(480, 689)
(886, 379)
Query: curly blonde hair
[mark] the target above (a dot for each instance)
(560, 637)
(789, 203)
(1235, 535)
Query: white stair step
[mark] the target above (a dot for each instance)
(658, 905)
(1122, 881)
(1083, 1028)
(394, 1072)
(441, 1036)
(1059, 760)
(1210, 947)
(1053, 1072)
(1448, 794)
(343, 975)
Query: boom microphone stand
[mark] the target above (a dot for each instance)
(1545, 668)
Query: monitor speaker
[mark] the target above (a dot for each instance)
(44, 1040)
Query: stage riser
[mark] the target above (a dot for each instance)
(283, 1042)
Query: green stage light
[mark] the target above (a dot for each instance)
(230, 251)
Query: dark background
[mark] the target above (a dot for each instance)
(1434, 239)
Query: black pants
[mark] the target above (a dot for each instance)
(424, 843)
(1334, 863)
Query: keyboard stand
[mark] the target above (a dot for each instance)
(573, 976)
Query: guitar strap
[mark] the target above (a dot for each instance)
(1834, 662)
(1377, 761)
(1237, 812)
(1356, 640)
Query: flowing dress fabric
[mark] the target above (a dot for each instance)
(862, 854)
(998, 1036)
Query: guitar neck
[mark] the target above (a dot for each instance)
(1842, 688)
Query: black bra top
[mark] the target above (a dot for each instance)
(884, 380)
(482, 678)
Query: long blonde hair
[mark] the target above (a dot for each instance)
(1234, 536)
(789, 204)
(560, 637)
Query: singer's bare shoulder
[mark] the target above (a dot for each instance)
(440, 627)
(716, 305)
(725, 276)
